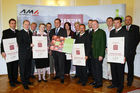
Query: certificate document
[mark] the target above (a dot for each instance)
(116, 50)
(11, 49)
(40, 49)
(78, 55)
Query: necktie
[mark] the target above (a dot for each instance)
(56, 31)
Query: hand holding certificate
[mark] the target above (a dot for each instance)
(78, 55)
(40, 49)
(11, 49)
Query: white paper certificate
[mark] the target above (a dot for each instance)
(78, 55)
(11, 49)
(116, 50)
(40, 49)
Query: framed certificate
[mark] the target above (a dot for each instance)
(40, 49)
(78, 55)
(11, 49)
(116, 50)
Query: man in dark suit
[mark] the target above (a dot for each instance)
(25, 53)
(89, 32)
(82, 38)
(12, 67)
(59, 57)
(132, 40)
(117, 69)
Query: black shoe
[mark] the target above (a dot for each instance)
(55, 77)
(92, 83)
(17, 82)
(119, 90)
(12, 85)
(129, 84)
(97, 86)
(83, 84)
(26, 87)
(30, 83)
(45, 80)
(39, 80)
(112, 86)
(78, 82)
(62, 81)
(75, 76)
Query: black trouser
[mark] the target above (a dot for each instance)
(25, 67)
(82, 70)
(12, 69)
(89, 67)
(32, 67)
(117, 71)
(97, 71)
(67, 66)
(59, 59)
(130, 65)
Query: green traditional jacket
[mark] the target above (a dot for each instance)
(98, 43)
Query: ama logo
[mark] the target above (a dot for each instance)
(29, 12)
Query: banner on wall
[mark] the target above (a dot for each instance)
(72, 14)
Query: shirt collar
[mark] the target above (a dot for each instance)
(26, 30)
(57, 29)
(81, 34)
(96, 29)
(12, 29)
(118, 29)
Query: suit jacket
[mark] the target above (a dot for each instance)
(62, 32)
(132, 39)
(24, 42)
(120, 33)
(8, 33)
(84, 39)
(90, 41)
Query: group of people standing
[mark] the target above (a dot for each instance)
(95, 43)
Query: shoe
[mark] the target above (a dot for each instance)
(92, 83)
(75, 76)
(78, 82)
(97, 86)
(55, 78)
(119, 90)
(32, 76)
(17, 82)
(26, 87)
(39, 80)
(62, 81)
(112, 86)
(12, 85)
(83, 84)
(44, 80)
(30, 83)
(129, 84)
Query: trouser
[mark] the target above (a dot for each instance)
(130, 65)
(97, 71)
(117, 71)
(12, 69)
(59, 59)
(82, 70)
(32, 67)
(25, 68)
(67, 66)
(52, 65)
